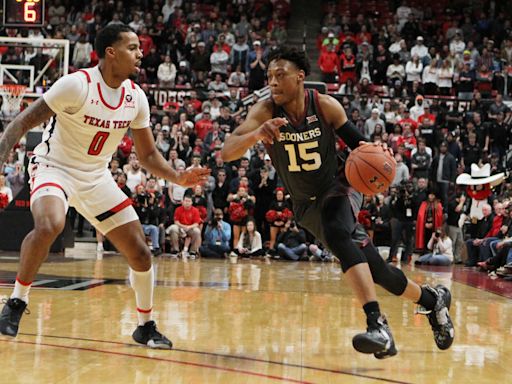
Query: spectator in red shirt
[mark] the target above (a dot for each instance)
(426, 115)
(186, 226)
(347, 66)
(407, 139)
(407, 120)
(146, 42)
(125, 148)
(328, 63)
(192, 99)
(205, 125)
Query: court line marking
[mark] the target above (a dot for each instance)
(254, 359)
(188, 363)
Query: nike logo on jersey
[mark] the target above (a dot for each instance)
(100, 123)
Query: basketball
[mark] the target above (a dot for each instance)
(370, 169)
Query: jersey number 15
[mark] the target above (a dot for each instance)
(311, 160)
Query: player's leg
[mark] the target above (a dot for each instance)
(433, 302)
(111, 213)
(195, 241)
(129, 239)
(338, 224)
(49, 213)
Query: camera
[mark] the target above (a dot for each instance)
(293, 224)
(142, 198)
(437, 233)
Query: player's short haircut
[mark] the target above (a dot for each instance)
(108, 36)
(294, 55)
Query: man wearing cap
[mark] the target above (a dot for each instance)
(256, 67)
(330, 39)
(200, 61)
(183, 75)
(419, 49)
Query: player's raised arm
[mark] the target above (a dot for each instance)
(259, 125)
(336, 116)
(37, 113)
(152, 160)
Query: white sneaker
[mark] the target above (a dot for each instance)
(184, 254)
(233, 257)
(99, 247)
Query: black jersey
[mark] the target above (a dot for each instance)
(305, 154)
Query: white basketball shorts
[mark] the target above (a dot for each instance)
(95, 197)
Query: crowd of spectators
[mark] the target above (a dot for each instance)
(430, 82)
(409, 78)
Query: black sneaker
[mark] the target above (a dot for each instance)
(11, 316)
(439, 318)
(147, 334)
(377, 340)
(157, 251)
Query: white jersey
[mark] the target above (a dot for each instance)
(91, 119)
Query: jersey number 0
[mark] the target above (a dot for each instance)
(97, 143)
(311, 159)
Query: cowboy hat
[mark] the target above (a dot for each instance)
(480, 175)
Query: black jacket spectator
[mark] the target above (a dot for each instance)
(449, 168)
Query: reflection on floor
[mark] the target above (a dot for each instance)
(249, 322)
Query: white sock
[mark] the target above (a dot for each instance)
(142, 284)
(21, 290)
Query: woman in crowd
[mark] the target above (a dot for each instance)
(441, 246)
(250, 243)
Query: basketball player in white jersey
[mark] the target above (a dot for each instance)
(90, 111)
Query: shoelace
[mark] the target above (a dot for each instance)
(26, 311)
(421, 310)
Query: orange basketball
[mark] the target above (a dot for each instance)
(370, 169)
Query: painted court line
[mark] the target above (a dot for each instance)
(187, 363)
(327, 370)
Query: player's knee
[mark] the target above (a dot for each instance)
(140, 253)
(387, 276)
(48, 228)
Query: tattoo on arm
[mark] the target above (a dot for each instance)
(37, 113)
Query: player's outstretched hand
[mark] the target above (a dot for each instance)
(269, 130)
(193, 177)
(383, 145)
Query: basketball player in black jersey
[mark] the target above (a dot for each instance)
(299, 127)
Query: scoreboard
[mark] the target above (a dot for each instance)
(23, 13)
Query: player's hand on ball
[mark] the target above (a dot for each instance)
(383, 145)
(193, 177)
(269, 130)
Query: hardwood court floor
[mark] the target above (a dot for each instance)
(250, 322)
